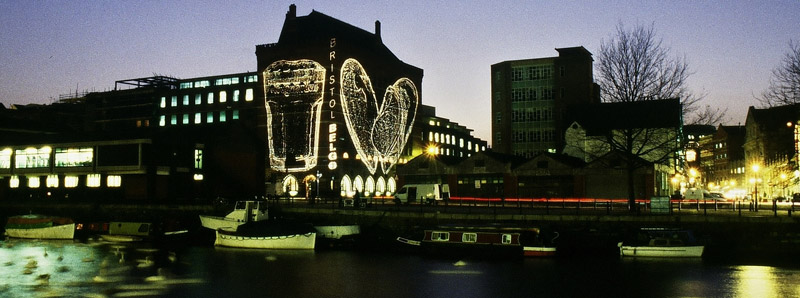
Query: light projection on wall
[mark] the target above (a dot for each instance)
(293, 93)
(379, 129)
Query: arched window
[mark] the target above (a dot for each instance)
(290, 185)
(347, 187)
(358, 184)
(391, 186)
(370, 186)
(380, 188)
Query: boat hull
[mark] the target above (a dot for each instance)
(538, 251)
(337, 232)
(295, 241)
(66, 231)
(662, 251)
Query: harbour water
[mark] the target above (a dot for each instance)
(101, 269)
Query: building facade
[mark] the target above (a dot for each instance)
(530, 98)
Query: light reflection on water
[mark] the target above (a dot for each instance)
(64, 268)
(100, 269)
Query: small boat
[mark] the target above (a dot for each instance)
(664, 243)
(36, 226)
(268, 235)
(337, 235)
(535, 246)
(127, 231)
(243, 212)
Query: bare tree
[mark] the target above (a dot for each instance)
(784, 86)
(635, 67)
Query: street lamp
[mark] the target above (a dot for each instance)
(319, 176)
(756, 180)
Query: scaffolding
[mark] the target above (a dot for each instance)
(154, 81)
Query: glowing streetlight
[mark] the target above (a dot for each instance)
(432, 150)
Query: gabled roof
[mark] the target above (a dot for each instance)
(617, 159)
(566, 160)
(514, 160)
(601, 118)
(774, 117)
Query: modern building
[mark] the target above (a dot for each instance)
(530, 98)
(724, 165)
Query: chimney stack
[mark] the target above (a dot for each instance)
(378, 29)
(292, 12)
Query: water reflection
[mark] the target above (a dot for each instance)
(63, 268)
(763, 281)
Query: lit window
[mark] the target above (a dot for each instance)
(380, 186)
(198, 177)
(210, 97)
(391, 186)
(13, 182)
(174, 101)
(74, 157)
(431, 123)
(198, 118)
(52, 181)
(469, 145)
(163, 102)
(235, 95)
(186, 99)
(346, 187)
(162, 120)
(223, 96)
(248, 94)
(460, 143)
(358, 184)
(93, 180)
(185, 118)
(71, 181)
(198, 159)
(290, 185)
(33, 158)
(235, 115)
(369, 186)
(186, 85)
(33, 182)
(198, 99)
(469, 237)
(114, 180)
(5, 158)
(210, 117)
(440, 236)
(436, 137)
(430, 136)
(173, 120)
(506, 238)
(222, 116)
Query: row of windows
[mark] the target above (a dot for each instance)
(30, 158)
(198, 118)
(532, 115)
(546, 135)
(532, 73)
(449, 140)
(210, 98)
(218, 82)
(54, 181)
(528, 153)
(531, 94)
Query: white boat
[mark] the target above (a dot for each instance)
(664, 243)
(243, 212)
(337, 232)
(35, 226)
(291, 241)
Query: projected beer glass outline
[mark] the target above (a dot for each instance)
(293, 92)
(379, 130)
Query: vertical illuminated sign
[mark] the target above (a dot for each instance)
(332, 128)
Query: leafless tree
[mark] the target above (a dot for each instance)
(634, 66)
(784, 86)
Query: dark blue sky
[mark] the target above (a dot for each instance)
(48, 48)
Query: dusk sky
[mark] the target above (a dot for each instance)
(48, 48)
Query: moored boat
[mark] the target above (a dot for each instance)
(35, 226)
(337, 235)
(535, 246)
(664, 243)
(243, 212)
(473, 240)
(268, 235)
